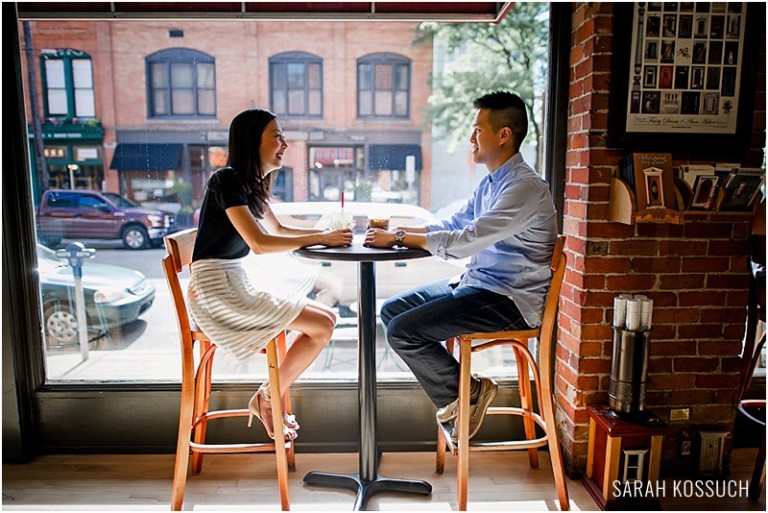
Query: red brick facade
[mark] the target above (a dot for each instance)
(242, 49)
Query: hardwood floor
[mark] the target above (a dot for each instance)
(498, 482)
(501, 482)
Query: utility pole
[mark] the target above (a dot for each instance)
(37, 128)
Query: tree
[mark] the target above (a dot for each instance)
(485, 57)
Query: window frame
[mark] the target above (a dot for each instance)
(383, 59)
(58, 418)
(305, 59)
(168, 57)
(67, 56)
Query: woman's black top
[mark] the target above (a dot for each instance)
(216, 235)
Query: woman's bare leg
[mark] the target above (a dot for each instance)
(315, 325)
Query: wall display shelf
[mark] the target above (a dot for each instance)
(623, 209)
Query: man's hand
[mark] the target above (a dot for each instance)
(378, 238)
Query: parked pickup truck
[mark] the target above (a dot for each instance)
(86, 214)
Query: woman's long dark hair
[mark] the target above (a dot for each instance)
(245, 133)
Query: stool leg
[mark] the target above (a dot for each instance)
(440, 452)
(545, 400)
(526, 401)
(462, 465)
(281, 350)
(441, 441)
(758, 473)
(202, 400)
(277, 425)
(181, 467)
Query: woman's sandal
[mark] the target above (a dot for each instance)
(254, 410)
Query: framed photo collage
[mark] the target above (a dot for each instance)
(684, 75)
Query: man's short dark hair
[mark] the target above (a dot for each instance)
(507, 109)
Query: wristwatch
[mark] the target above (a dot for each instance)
(399, 237)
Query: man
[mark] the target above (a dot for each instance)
(508, 228)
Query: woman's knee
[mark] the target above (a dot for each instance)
(316, 322)
(323, 325)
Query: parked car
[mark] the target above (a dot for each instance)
(391, 277)
(87, 214)
(113, 296)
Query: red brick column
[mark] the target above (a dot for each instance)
(696, 273)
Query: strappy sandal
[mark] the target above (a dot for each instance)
(254, 410)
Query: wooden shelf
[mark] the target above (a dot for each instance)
(622, 209)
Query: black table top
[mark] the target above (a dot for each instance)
(359, 253)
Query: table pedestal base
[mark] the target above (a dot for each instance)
(365, 489)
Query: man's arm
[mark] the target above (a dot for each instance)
(513, 210)
(379, 238)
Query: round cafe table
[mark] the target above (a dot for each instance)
(365, 482)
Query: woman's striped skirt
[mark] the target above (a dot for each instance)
(236, 316)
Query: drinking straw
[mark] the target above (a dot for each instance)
(342, 200)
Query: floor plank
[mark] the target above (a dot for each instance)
(498, 482)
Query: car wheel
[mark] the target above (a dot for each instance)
(135, 237)
(60, 324)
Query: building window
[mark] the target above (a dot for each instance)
(296, 84)
(181, 83)
(68, 84)
(383, 86)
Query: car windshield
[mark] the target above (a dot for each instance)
(120, 201)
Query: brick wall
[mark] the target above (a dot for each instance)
(696, 273)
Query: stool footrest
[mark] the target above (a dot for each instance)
(232, 448)
(507, 445)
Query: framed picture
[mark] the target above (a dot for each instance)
(654, 187)
(705, 191)
(700, 55)
(741, 190)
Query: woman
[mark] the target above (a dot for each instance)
(236, 218)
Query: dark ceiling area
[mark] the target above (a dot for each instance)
(491, 12)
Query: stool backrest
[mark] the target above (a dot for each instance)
(179, 246)
(557, 266)
(549, 316)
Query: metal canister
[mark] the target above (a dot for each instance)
(629, 371)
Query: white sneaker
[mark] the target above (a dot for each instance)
(448, 413)
(488, 390)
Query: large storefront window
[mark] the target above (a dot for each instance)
(374, 126)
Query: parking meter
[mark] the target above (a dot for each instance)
(75, 253)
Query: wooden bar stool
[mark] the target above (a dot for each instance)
(543, 381)
(194, 413)
(754, 409)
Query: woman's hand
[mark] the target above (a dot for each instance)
(336, 238)
(378, 238)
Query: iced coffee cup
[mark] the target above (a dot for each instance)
(379, 222)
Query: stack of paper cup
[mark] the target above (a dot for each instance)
(619, 311)
(646, 308)
(632, 312)
(633, 315)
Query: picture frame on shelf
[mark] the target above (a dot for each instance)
(683, 85)
(705, 191)
(741, 191)
(654, 187)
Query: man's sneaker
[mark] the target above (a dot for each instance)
(448, 413)
(477, 411)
